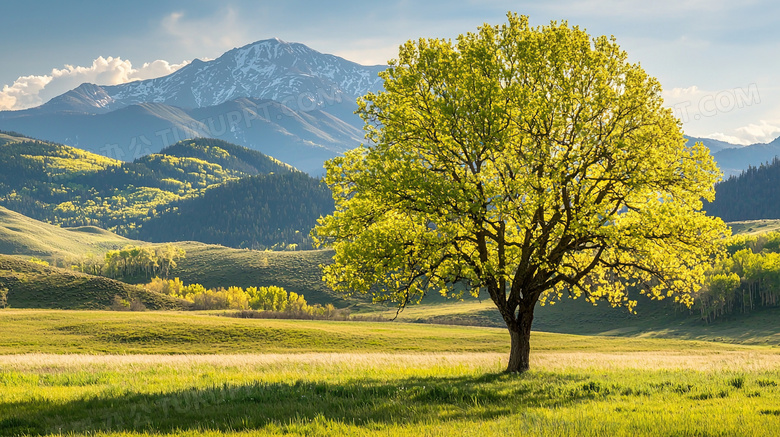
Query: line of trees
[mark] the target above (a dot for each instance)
(270, 299)
(132, 261)
(747, 279)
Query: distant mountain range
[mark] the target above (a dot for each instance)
(733, 159)
(283, 99)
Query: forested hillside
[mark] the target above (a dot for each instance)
(229, 214)
(752, 195)
(70, 187)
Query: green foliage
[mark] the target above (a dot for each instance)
(132, 261)
(39, 261)
(3, 298)
(747, 279)
(273, 298)
(525, 163)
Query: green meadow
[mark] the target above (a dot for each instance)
(169, 373)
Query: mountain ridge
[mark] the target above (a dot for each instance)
(283, 99)
(291, 73)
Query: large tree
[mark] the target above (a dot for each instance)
(525, 162)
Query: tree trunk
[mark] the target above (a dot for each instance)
(520, 338)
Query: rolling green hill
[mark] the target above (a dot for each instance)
(299, 271)
(32, 285)
(210, 265)
(218, 266)
(23, 236)
(169, 191)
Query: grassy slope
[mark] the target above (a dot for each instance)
(9, 138)
(753, 227)
(23, 236)
(215, 266)
(33, 285)
(210, 265)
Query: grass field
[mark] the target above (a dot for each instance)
(118, 374)
(653, 319)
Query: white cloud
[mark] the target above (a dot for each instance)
(31, 91)
(727, 138)
(723, 114)
(24, 92)
(763, 132)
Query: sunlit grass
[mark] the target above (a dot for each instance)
(710, 392)
(108, 332)
(120, 374)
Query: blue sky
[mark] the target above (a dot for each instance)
(717, 60)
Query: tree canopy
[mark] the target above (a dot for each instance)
(527, 163)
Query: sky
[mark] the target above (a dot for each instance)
(717, 60)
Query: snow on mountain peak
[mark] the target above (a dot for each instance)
(291, 73)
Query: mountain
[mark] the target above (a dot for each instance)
(283, 99)
(714, 145)
(733, 161)
(303, 139)
(71, 187)
(290, 73)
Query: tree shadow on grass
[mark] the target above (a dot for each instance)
(361, 402)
